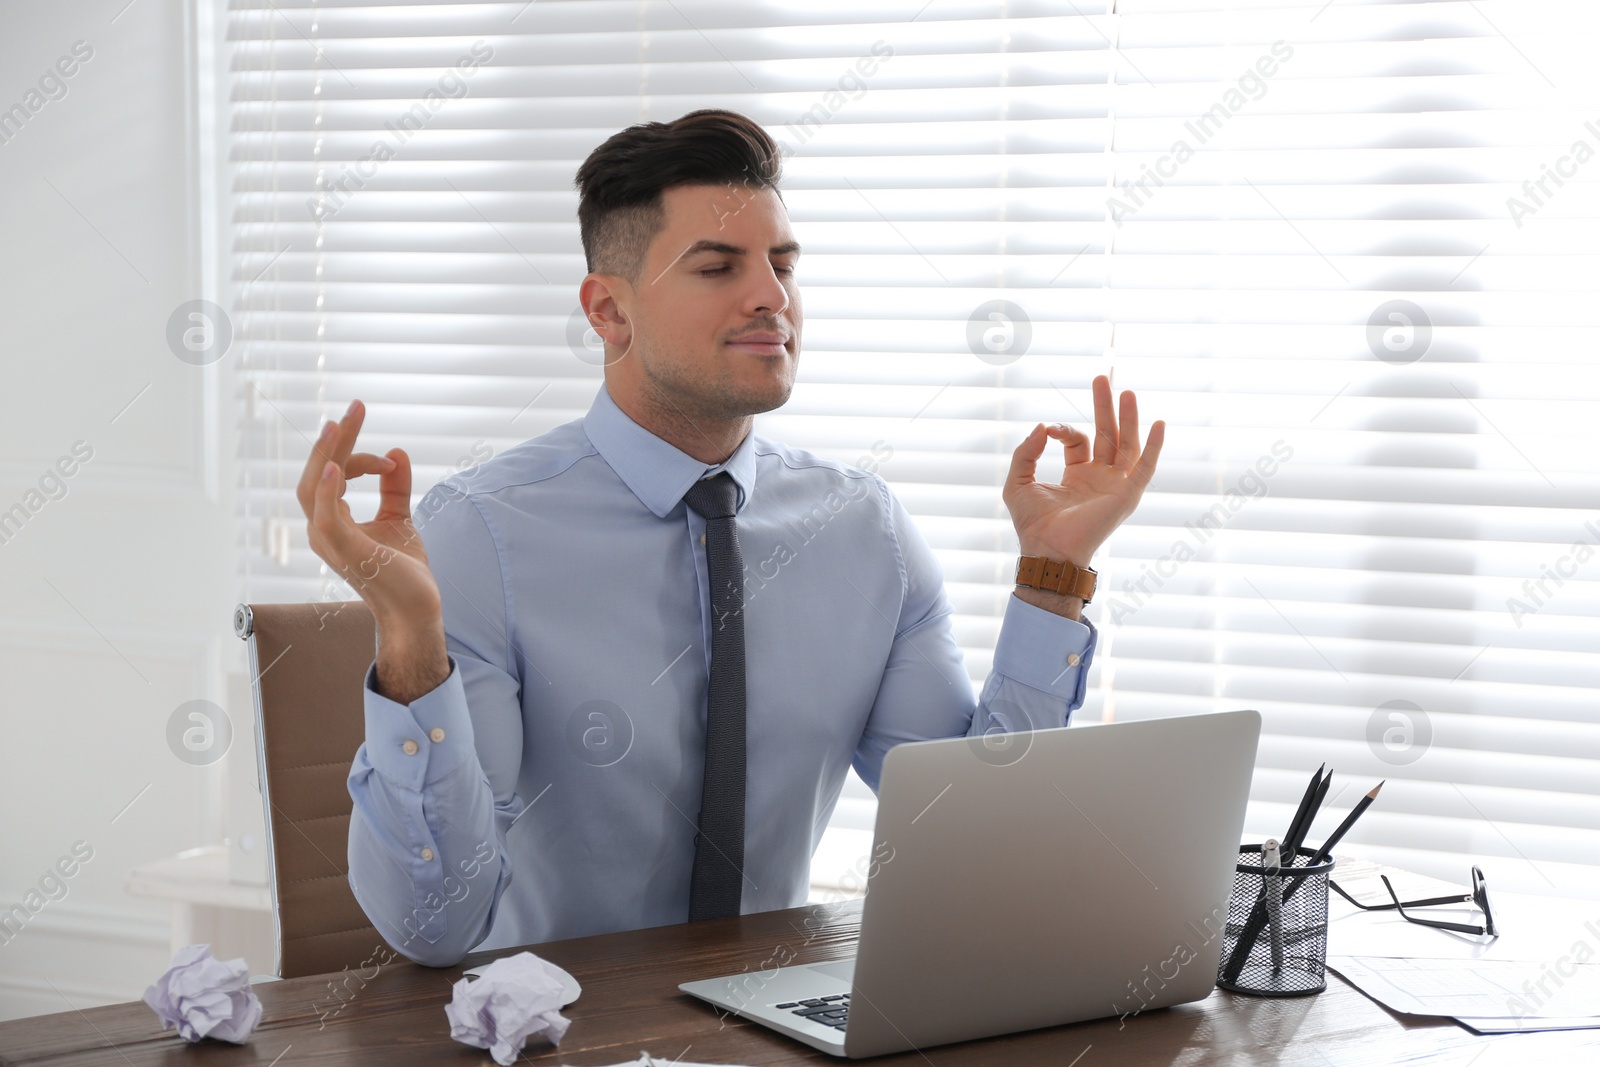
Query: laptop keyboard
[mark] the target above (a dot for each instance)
(826, 1011)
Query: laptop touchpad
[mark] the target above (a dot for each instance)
(843, 970)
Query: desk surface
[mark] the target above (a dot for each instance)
(631, 1004)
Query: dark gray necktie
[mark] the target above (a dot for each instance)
(716, 885)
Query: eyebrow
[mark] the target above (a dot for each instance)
(725, 249)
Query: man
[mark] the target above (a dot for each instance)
(623, 668)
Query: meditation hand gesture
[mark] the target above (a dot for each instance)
(383, 560)
(1069, 521)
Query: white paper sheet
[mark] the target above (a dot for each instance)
(1477, 989)
(1532, 929)
(1525, 1026)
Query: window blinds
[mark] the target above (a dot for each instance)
(1344, 249)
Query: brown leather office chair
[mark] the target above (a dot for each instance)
(307, 662)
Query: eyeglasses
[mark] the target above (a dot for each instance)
(1479, 897)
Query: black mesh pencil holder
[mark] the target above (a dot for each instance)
(1291, 960)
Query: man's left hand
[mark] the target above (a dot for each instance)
(1098, 491)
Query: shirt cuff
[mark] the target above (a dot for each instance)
(1044, 650)
(416, 744)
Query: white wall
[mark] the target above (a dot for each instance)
(116, 598)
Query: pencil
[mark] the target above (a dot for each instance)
(1343, 828)
(1305, 804)
(1291, 848)
(1333, 839)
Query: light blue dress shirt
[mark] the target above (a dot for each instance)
(549, 787)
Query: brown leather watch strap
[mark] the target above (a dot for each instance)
(1056, 576)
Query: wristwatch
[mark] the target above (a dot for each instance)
(1056, 576)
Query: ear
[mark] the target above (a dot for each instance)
(602, 297)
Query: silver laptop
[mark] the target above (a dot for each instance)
(1026, 880)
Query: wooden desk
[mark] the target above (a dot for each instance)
(631, 1004)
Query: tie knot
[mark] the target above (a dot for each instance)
(713, 498)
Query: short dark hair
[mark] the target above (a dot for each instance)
(620, 184)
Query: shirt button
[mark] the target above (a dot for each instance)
(702, 539)
(409, 748)
(1073, 659)
(436, 735)
(427, 853)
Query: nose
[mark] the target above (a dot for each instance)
(767, 296)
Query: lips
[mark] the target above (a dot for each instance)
(764, 344)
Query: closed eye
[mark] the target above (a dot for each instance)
(710, 272)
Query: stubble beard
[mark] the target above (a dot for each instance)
(681, 391)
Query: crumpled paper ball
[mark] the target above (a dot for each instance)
(205, 997)
(512, 999)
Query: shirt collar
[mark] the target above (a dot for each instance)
(657, 472)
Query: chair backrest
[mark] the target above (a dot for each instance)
(307, 663)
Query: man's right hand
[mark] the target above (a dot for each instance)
(384, 560)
